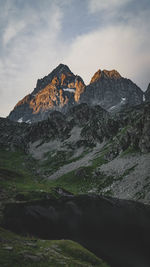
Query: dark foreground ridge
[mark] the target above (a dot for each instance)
(116, 230)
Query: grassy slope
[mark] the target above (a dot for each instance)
(19, 251)
(18, 174)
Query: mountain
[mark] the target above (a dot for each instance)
(56, 91)
(61, 89)
(79, 172)
(111, 91)
(147, 94)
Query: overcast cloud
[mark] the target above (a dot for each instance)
(37, 35)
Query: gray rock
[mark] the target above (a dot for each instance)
(111, 91)
(147, 94)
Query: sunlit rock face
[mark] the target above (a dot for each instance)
(111, 91)
(61, 89)
(56, 91)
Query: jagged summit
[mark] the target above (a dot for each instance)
(57, 72)
(111, 91)
(62, 68)
(62, 89)
(112, 74)
(57, 91)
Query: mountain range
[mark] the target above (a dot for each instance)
(61, 90)
(75, 164)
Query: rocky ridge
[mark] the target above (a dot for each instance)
(61, 89)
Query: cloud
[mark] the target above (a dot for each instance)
(120, 42)
(96, 6)
(11, 31)
(121, 47)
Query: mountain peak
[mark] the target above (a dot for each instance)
(59, 90)
(112, 74)
(96, 76)
(62, 68)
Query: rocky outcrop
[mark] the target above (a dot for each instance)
(95, 124)
(56, 91)
(147, 94)
(12, 134)
(111, 91)
(128, 128)
(113, 74)
(115, 230)
(134, 125)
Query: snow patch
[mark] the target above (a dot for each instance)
(69, 90)
(123, 99)
(20, 120)
(28, 121)
(113, 107)
(143, 97)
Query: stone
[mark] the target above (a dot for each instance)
(111, 91)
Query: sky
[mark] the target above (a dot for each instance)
(86, 35)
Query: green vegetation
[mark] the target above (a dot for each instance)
(19, 251)
(19, 173)
(56, 159)
(22, 175)
(130, 150)
(84, 179)
(18, 161)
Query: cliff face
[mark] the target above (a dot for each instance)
(57, 91)
(61, 89)
(111, 91)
